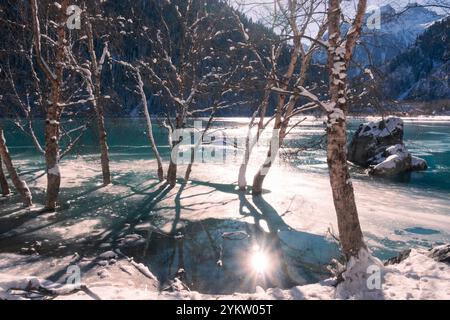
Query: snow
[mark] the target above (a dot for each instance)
(417, 277)
(145, 271)
(336, 115)
(52, 122)
(357, 284)
(371, 128)
(108, 255)
(389, 163)
(369, 72)
(309, 210)
(10, 282)
(55, 171)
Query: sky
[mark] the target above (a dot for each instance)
(259, 10)
(254, 8)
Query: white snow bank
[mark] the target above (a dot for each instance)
(416, 277)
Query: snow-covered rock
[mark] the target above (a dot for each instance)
(418, 164)
(379, 146)
(441, 253)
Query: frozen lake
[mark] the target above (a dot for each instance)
(213, 228)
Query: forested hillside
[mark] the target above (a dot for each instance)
(422, 72)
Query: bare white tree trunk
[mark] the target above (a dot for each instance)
(148, 122)
(251, 142)
(259, 177)
(20, 185)
(196, 146)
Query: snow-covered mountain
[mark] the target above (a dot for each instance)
(422, 71)
(398, 30)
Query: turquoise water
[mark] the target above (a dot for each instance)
(426, 138)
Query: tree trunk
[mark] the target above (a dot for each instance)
(249, 142)
(179, 124)
(52, 133)
(20, 185)
(3, 182)
(242, 181)
(104, 154)
(259, 177)
(52, 126)
(196, 146)
(350, 233)
(102, 136)
(148, 121)
(172, 173)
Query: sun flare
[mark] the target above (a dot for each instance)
(259, 261)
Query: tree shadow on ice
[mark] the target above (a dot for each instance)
(312, 251)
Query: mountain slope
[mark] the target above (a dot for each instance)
(422, 72)
(396, 33)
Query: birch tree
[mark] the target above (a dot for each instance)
(267, 66)
(339, 46)
(340, 50)
(64, 95)
(294, 17)
(90, 72)
(136, 74)
(54, 110)
(94, 85)
(20, 185)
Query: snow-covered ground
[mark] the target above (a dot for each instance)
(417, 277)
(297, 205)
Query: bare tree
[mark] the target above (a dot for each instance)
(95, 81)
(136, 72)
(20, 185)
(54, 110)
(187, 70)
(65, 92)
(297, 17)
(269, 68)
(340, 50)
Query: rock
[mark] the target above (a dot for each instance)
(108, 255)
(401, 256)
(441, 253)
(373, 138)
(379, 146)
(418, 164)
(396, 160)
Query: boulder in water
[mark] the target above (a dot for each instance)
(379, 146)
